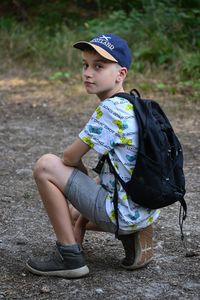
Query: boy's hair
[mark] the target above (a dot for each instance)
(109, 46)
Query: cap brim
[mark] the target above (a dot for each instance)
(82, 45)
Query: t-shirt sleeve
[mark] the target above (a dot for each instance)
(99, 132)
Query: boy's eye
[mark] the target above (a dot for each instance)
(85, 66)
(97, 67)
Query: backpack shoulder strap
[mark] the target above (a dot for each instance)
(129, 97)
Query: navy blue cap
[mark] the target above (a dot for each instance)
(109, 46)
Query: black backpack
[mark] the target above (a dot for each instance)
(158, 178)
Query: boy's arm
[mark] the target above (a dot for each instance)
(73, 154)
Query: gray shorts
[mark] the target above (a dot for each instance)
(89, 198)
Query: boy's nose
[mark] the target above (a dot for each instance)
(87, 73)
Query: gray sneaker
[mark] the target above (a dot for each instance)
(68, 263)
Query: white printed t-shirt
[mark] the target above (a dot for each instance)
(113, 129)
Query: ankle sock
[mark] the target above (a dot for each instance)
(70, 247)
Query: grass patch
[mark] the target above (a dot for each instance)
(164, 40)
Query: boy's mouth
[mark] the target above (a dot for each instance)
(88, 83)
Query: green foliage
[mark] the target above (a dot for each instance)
(162, 34)
(36, 46)
(190, 67)
(59, 76)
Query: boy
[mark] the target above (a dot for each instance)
(112, 129)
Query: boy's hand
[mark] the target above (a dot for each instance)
(72, 154)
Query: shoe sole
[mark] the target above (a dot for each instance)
(144, 249)
(76, 273)
(135, 267)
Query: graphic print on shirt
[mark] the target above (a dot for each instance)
(94, 129)
(113, 129)
(129, 106)
(121, 125)
(99, 113)
(130, 157)
(88, 141)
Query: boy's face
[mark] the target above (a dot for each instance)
(100, 76)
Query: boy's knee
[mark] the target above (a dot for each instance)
(44, 165)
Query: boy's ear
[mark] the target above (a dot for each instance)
(122, 72)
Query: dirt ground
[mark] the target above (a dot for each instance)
(37, 117)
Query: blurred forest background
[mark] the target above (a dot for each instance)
(164, 35)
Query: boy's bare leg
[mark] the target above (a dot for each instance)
(81, 224)
(51, 176)
(75, 214)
